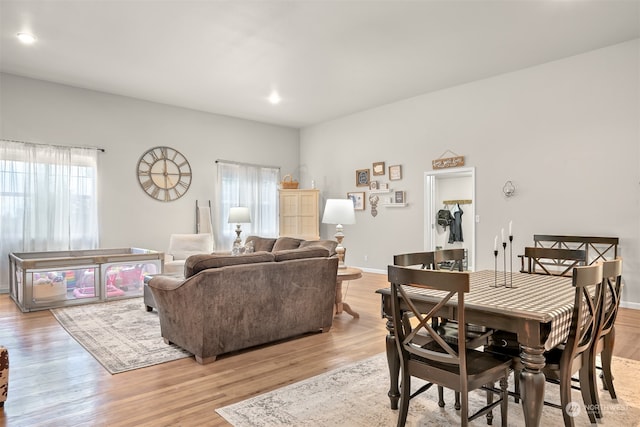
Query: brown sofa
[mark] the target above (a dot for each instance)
(227, 303)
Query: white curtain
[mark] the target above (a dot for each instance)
(48, 200)
(255, 187)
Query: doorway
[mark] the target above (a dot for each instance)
(453, 190)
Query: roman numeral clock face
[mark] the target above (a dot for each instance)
(164, 173)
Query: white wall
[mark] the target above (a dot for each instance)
(38, 111)
(567, 134)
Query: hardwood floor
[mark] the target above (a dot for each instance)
(55, 382)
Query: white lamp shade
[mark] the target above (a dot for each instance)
(239, 215)
(339, 211)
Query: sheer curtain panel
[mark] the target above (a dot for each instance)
(48, 200)
(252, 186)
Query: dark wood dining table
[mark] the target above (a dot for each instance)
(537, 308)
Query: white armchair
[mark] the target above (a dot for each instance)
(182, 246)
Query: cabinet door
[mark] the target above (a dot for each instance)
(299, 214)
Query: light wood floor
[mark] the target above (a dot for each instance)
(55, 382)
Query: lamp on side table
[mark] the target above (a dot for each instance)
(339, 212)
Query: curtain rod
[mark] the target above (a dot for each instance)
(102, 150)
(231, 162)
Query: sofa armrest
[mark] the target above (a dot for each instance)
(166, 283)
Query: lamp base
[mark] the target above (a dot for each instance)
(340, 250)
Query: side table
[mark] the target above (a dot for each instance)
(349, 273)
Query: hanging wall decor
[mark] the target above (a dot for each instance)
(448, 162)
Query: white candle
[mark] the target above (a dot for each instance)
(495, 244)
(502, 234)
(510, 228)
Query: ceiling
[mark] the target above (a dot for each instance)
(326, 58)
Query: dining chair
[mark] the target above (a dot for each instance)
(448, 329)
(605, 335)
(453, 257)
(572, 356)
(553, 261)
(425, 354)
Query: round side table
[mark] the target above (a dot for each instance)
(349, 273)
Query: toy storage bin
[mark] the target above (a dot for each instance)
(43, 280)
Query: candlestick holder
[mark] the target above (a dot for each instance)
(504, 264)
(495, 268)
(510, 285)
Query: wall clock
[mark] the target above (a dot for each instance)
(164, 173)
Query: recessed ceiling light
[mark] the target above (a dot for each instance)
(26, 38)
(274, 98)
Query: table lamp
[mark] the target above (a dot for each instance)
(339, 211)
(239, 215)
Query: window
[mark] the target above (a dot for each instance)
(48, 200)
(255, 187)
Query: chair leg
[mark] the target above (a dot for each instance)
(405, 394)
(588, 389)
(464, 407)
(516, 385)
(489, 402)
(441, 396)
(606, 358)
(505, 399)
(565, 396)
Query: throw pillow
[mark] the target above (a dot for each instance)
(284, 243)
(330, 245)
(198, 263)
(312, 252)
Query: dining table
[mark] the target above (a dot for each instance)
(538, 308)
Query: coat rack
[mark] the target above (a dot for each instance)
(457, 202)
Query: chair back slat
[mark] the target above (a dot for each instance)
(612, 288)
(587, 307)
(411, 338)
(424, 259)
(561, 259)
(455, 255)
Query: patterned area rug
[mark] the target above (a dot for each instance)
(356, 395)
(121, 335)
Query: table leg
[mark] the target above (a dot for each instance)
(393, 362)
(532, 384)
(343, 306)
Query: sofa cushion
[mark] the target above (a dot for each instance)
(311, 252)
(197, 263)
(284, 243)
(330, 245)
(261, 243)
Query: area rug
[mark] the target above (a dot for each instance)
(121, 334)
(356, 395)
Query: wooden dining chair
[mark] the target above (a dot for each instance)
(425, 354)
(448, 329)
(424, 260)
(605, 334)
(572, 356)
(453, 257)
(553, 261)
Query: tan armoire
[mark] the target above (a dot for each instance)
(299, 214)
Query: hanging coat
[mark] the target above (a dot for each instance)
(455, 230)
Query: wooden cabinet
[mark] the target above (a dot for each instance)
(299, 214)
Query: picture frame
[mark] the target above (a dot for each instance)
(383, 186)
(399, 197)
(358, 200)
(378, 168)
(373, 185)
(362, 178)
(395, 172)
